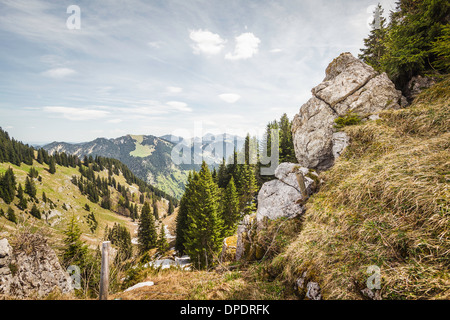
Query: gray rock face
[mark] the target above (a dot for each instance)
(416, 85)
(243, 234)
(5, 260)
(349, 86)
(304, 284)
(37, 272)
(283, 196)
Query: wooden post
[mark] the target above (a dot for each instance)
(104, 275)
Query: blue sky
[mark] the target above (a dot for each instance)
(160, 67)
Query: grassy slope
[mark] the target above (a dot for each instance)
(60, 190)
(384, 203)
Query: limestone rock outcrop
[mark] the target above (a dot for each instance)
(282, 197)
(32, 271)
(350, 86)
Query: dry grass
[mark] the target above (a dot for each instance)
(171, 284)
(385, 203)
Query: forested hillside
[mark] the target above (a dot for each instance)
(76, 203)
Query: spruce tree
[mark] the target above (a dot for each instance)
(171, 208)
(374, 44)
(74, 251)
(222, 175)
(52, 166)
(183, 210)
(23, 203)
(203, 237)
(146, 231)
(155, 210)
(162, 244)
(287, 152)
(30, 187)
(35, 212)
(8, 186)
(11, 216)
(230, 209)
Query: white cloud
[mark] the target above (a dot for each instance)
(155, 44)
(206, 42)
(76, 114)
(115, 121)
(179, 106)
(59, 73)
(246, 46)
(229, 97)
(174, 89)
(276, 50)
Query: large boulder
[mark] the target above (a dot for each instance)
(350, 86)
(284, 196)
(31, 270)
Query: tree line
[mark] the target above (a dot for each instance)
(214, 202)
(414, 41)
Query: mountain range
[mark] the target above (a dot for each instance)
(150, 157)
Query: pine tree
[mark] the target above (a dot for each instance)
(222, 175)
(52, 166)
(162, 244)
(30, 187)
(40, 156)
(33, 173)
(203, 237)
(146, 231)
(171, 208)
(183, 211)
(23, 203)
(155, 211)
(287, 152)
(35, 212)
(374, 44)
(8, 186)
(74, 251)
(230, 209)
(248, 189)
(11, 216)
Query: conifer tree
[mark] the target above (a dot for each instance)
(30, 187)
(203, 237)
(8, 186)
(222, 175)
(248, 189)
(183, 210)
(287, 152)
(155, 210)
(35, 212)
(171, 208)
(11, 216)
(162, 244)
(23, 203)
(374, 44)
(230, 209)
(146, 231)
(52, 166)
(74, 251)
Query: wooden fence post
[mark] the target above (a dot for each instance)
(104, 275)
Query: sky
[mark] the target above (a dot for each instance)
(77, 70)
